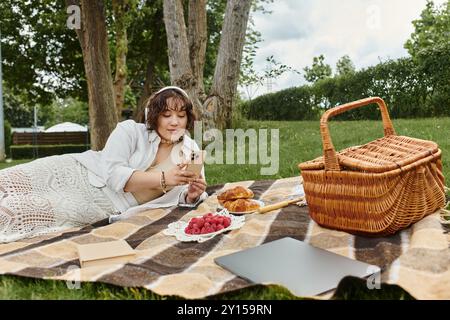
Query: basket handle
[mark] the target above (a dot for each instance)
(329, 153)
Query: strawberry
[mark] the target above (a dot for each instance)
(200, 222)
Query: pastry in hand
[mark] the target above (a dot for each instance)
(241, 205)
(238, 192)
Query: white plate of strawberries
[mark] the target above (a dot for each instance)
(205, 227)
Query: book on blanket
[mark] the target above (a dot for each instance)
(105, 253)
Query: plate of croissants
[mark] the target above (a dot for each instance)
(239, 200)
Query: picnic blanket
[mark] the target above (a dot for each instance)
(417, 259)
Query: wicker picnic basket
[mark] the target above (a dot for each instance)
(375, 189)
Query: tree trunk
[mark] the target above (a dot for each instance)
(147, 89)
(120, 9)
(197, 37)
(94, 45)
(179, 59)
(187, 58)
(226, 75)
(155, 52)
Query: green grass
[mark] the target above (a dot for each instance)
(299, 141)
(4, 165)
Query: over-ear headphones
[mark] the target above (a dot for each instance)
(184, 93)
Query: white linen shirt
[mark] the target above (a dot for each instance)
(131, 147)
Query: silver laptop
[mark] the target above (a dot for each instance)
(303, 269)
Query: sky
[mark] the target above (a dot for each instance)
(297, 30)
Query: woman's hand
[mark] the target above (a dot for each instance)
(195, 189)
(177, 176)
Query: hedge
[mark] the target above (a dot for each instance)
(411, 88)
(40, 151)
(289, 104)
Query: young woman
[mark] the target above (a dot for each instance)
(142, 166)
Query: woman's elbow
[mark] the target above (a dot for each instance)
(120, 179)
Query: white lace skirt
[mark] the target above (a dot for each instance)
(48, 195)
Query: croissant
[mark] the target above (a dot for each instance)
(238, 192)
(241, 205)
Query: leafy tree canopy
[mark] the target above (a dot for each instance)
(431, 29)
(318, 71)
(345, 66)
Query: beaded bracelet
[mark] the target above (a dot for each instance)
(163, 182)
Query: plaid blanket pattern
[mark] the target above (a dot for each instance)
(416, 259)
